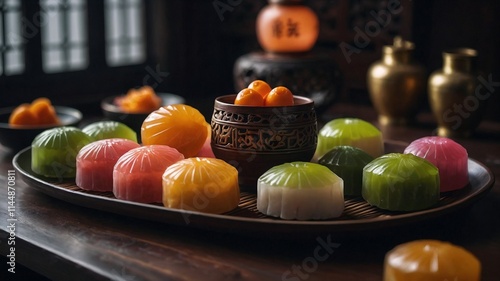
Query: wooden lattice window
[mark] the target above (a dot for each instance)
(64, 35)
(11, 40)
(70, 50)
(124, 32)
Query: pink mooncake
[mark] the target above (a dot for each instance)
(137, 176)
(448, 156)
(95, 162)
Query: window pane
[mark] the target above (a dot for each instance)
(112, 24)
(113, 55)
(76, 28)
(12, 38)
(12, 3)
(78, 58)
(15, 62)
(53, 60)
(137, 52)
(51, 31)
(124, 32)
(64, 37)
(134, 16)
(76, 2)
(13, 26)
(2, 47)
(1, 31)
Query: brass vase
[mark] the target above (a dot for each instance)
(396, 84)
(452, 94)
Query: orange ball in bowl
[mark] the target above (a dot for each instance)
(279, 96)
(261, 87)
(249, 97)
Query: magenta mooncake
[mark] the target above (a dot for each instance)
(137, 175)
(448, 156)
(95, 162)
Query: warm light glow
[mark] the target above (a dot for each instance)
(380, 71)
(438, 80)
(287, 28)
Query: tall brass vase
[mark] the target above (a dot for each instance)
(452, 94)
(396, 83)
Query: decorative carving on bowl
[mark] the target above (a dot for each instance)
(264, 132)
(254, 139)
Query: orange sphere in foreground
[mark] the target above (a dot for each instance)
(279, 96)
(249, 97)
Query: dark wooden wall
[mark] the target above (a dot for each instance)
(194, 44)
(202, 46)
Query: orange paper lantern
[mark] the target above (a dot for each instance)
(286, 26)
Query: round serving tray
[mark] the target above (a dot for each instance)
(245, 219)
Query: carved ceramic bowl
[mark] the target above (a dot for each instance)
(256, 138)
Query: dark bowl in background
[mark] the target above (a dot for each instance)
(113, 112)
(19, 137)
(255, 138)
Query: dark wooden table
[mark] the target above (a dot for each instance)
(62, 241)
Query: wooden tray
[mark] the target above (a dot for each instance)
(358, 215)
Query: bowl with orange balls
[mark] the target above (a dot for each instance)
(132, 108)
(19, 125)
(255, 133)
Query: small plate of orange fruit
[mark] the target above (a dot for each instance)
(19, 125)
